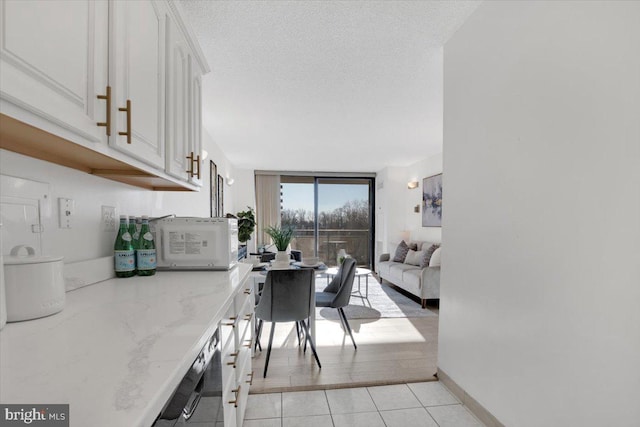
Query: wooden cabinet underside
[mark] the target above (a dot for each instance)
(22, 138)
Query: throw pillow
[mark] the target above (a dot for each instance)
(428, 254)
(401, 252)
(411, 256)
(435, 258)
(414, 257)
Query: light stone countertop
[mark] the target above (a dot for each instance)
(119, 348)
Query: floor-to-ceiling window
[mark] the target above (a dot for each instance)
(330, 214)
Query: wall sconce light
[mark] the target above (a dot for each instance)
(412, 185)
(205, 154)
(230, 181)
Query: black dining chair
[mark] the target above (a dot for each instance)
(296, 255)
(287, 296)
(338, 293)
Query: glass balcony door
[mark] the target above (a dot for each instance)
(330, 215)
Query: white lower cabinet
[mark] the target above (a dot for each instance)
(236, 329)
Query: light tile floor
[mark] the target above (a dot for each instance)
(426, 404)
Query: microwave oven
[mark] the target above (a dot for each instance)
(191, 243)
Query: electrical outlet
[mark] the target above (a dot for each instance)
(108, 218)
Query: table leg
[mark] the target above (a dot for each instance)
(366, 288)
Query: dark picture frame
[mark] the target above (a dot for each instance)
(432, 201)
(213, 189)
(220, 195)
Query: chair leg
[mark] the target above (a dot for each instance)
(258, 333)
(344, 316)
(298, 333)
(266, 363)
(342, 325)
(302, 322)
(313, 347)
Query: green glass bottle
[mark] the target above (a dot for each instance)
(146, 250)
(134, 237)
(133, 231)
(124, 255)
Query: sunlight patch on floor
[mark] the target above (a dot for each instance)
(330, 333)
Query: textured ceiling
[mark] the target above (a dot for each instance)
(324, 85)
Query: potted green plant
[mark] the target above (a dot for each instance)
(281, 237)
(246, 224)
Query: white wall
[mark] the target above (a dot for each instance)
(395, 216)
(87, 240)
(540, 295)
(390, 217)
(417, 172)
(245, 196)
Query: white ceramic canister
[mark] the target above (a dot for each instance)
(34, 285)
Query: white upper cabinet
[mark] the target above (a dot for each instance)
(178, 103)
(136, 74)
(196, 126)
(53, 63)
(115, 86)
(184, 103)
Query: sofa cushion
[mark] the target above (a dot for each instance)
(402, 250)
(397, 269)
(412, 277)
(427, 254)
(435, 258)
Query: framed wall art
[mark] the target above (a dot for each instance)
(432, 201)
(220, 195)
(213, 189)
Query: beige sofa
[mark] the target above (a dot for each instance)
(422, 282)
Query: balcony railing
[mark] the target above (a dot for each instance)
(354, 242)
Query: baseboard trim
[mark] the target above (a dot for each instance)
(467, 400)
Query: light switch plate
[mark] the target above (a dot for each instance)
(66, 211)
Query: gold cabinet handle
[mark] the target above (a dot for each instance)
(247, 291)
(248, 316)
(237, 393)
(190, 170)
(249, 343)
(107, 123)
(127, 109)
(198, 163)
(250, 375)
(235, 359)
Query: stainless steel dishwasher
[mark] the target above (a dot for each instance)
(198, 397)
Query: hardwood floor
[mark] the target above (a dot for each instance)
(390, 350)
